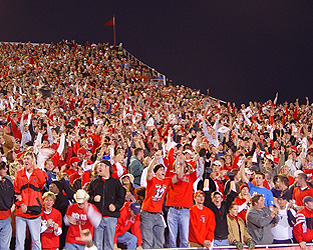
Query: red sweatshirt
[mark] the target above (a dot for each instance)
(202, 225)
(125, 222)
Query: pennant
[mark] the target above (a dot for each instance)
(110, 23)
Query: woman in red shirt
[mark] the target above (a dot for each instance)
(243, 201)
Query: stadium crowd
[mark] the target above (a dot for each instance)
(97, 153)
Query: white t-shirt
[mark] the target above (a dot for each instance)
(282, 231)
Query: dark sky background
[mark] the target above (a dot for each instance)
(241, 50)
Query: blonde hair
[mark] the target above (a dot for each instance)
(49, 194)
(14, 167)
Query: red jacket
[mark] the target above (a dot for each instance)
(30, 190)
(303, 229)
(125, 222)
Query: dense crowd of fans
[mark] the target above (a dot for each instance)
(97, 153)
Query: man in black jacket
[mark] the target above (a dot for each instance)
(107, 194)
(6, 202)
(220, 209)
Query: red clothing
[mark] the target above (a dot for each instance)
(155, 194)
(48, 237)
(30, 190)
(303, 229)
(115, 173)
(82, 219)
(73, 177)
(291, 180)
(308, 172)
(192, 163)
(171, 159)
(86, 177)
(202, 225)
(227, 168)
(5, 214)
(243, 213)
(71, 171)
(125, 222)
(180, 194)
(298, 194)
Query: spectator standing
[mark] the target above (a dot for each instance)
(243, 201)
(107, 194)
(303, 229)
(302, 190)
(258, 188)
(260, 219)
(61, 203)
(283, 184)
(202, 223)
(179, 201)
(135, 166)
(6, 202)
(80, 215)
(51, 223)
(152, 221)
(238, 232)
(28, 185)
(282, 231)
(220, 209)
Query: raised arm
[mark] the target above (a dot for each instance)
(243, 173)
(154, 161)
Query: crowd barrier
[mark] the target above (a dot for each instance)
(259, 247)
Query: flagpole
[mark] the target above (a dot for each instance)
(114, 33)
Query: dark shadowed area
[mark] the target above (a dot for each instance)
(241, 50)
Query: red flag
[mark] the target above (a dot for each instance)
(110, 23)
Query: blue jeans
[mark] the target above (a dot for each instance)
(34, 229)
(152, 230)
(128, 239)
(219, 243)
(178, 220)
(5, 233)
(69, 246)
(104, 233)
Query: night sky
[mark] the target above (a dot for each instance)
(241, 50)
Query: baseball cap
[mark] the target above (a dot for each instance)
(198, 192)
(248, 171)
(135, 206)
(307, 199)
(244, 185)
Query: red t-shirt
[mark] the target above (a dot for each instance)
(180, 194)
(48, 237)
(82, 219)
(155, 194)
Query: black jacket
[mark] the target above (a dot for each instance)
(61, 203)
(221, 229)
(6, 194)
(111, 192)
